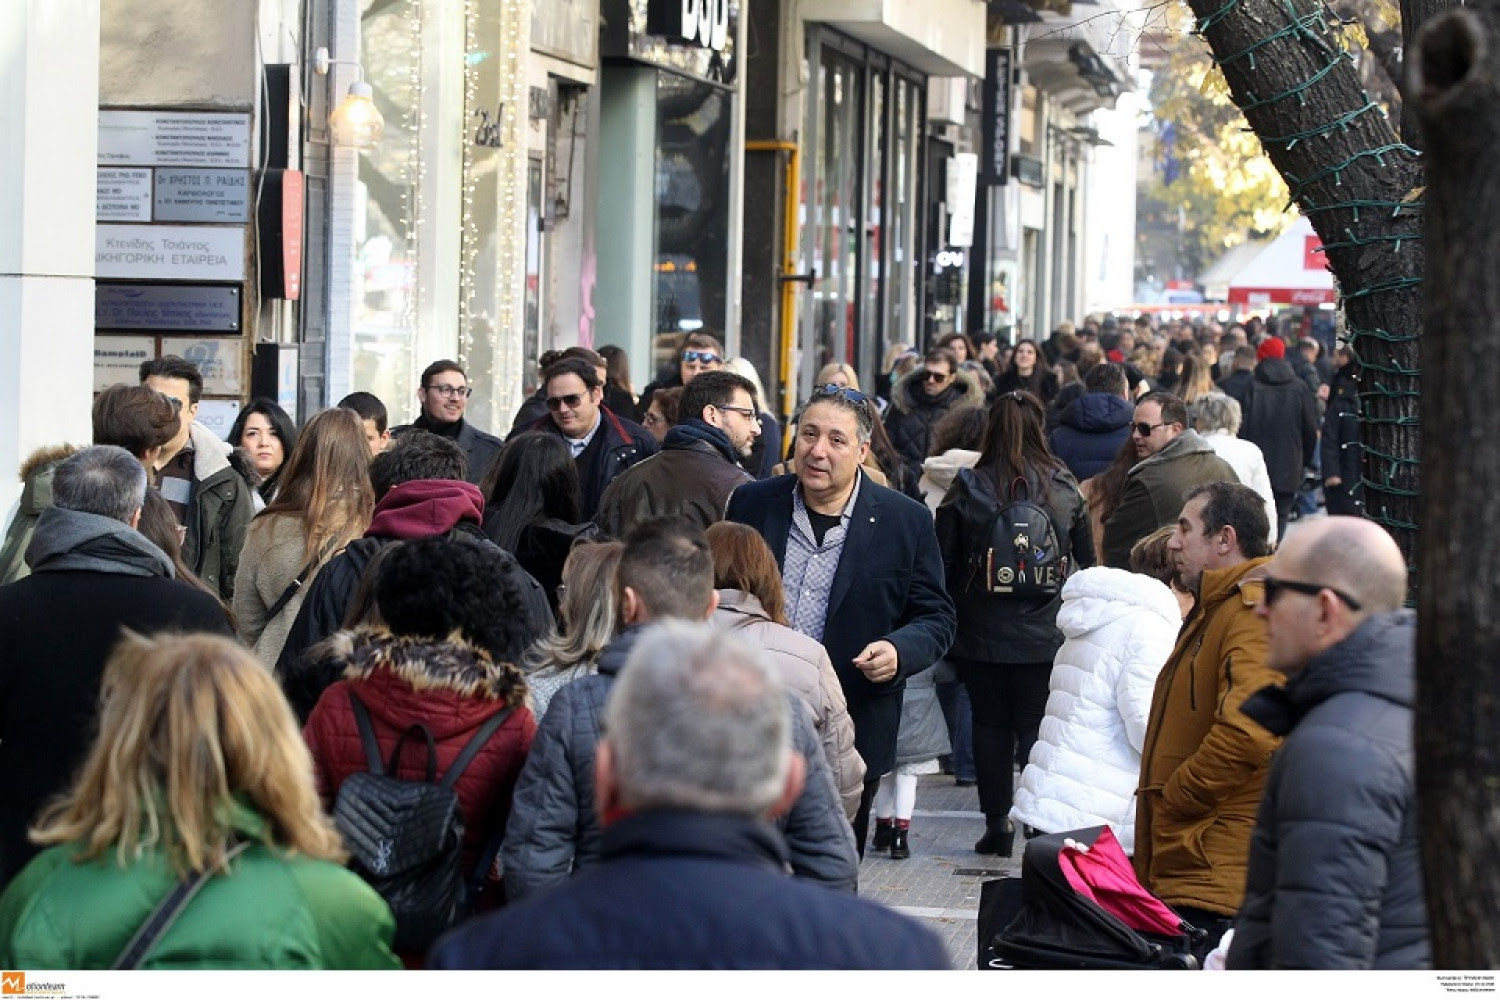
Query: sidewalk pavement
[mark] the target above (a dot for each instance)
(939, 883)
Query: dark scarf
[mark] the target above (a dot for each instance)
(439, 427)
(690, 431)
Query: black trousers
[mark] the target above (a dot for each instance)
(1008, 701)
(861, 822)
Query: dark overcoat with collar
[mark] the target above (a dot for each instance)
(889, 585)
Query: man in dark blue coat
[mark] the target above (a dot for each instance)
(1096, 425)
(1335, 871)
(861, 568)
(696, 758)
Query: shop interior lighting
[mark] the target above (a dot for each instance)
(356, 123)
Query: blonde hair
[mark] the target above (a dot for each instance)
(188, 724)
(587, 620)
(828, 371)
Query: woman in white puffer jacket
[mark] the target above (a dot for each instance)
(1118, 629)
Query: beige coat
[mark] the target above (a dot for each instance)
(270, 561)
(805, 669)
(1204, 762)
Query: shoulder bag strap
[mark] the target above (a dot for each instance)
(366, 734)
(296, 584)
(471, 749)
(166, 912)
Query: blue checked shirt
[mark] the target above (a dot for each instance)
(808, 569)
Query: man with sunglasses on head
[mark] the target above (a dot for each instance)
(862, 571)
(1171, 458)
(604, 444)
(1203, 761)
(1335, 874)
(697, 468)
(444, 394)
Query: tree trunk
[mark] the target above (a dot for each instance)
(1358, 184)
(1454, 84)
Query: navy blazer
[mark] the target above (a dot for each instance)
(888, 585)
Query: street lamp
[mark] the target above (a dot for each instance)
(356, 123)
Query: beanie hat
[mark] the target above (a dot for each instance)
(1271, 347)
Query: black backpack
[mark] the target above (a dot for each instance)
(1023, 556)
(405, 837)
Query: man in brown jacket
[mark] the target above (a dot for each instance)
(1204, 763)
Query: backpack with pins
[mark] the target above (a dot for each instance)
(405, 837)
(1023, 557)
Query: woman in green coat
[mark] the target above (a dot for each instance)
(198, 767)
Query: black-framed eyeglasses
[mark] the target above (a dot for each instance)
(1145, 429)
(748, 412)
(1275, 587)
(842, 391)
(451, 391)
(701, 357)
(571, 401)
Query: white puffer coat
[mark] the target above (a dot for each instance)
(1119, 628)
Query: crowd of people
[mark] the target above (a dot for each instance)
(625, 687)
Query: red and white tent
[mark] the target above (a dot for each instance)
(1291, 270)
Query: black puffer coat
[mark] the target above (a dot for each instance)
(1335, 876)
(1281, 417)
(995, 628)
(912, 414)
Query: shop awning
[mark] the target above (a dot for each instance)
(1289, 271)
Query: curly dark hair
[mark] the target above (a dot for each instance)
(433, 587)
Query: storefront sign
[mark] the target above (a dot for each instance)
(118, 359)
(291, 234)
(220, 359)
(170, 253)
(962, 176)
(122, 195)
(994, 164)
(174, 139)
(195, 308)
(567, 29)
(704, 23)
(202, 195)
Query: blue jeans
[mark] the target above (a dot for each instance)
(954, 699)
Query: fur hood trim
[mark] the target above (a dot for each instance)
(967, 390)
(43, 457)
(451, 665)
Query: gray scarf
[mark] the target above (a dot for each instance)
(77, 540)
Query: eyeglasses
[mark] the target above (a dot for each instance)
(701, 357)
(842, 391)
(932, 376)
(745, 411)
(450, 391)
(1144, 430)
(571, 401)
(1275, 588)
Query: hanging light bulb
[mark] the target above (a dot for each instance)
(356, 123)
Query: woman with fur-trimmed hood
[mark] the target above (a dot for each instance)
(925, 396)
(448, 608)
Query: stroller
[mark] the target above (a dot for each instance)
(1079, 906)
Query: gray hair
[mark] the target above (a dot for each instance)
(1215, 411)
(864, 413)
(105, 479)
(698, 721)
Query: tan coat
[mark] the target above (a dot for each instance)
(1204, 762)
(272, 558)
(803, 666)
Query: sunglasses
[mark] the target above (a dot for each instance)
(1144, 430)
(842, 391)
(701, 357)
(932, 376)
(571, 401)
(1275, 588)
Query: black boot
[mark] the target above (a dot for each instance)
(997, 839)
(900, 851)
(882, 839)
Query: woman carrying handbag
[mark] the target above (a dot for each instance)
(1011, 529)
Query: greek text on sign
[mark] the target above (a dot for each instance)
(122, 195)
(187, 195)
(205, 308)
(174, 139)
(176, 253)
